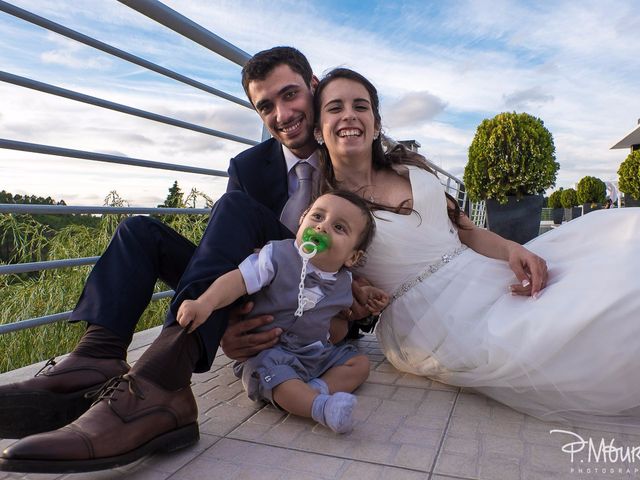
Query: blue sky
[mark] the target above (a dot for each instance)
(441, 68)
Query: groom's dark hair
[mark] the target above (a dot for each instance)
(262, 63)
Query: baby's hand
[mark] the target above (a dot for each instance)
(376, 299)
(192, 314)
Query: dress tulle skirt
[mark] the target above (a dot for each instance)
(571, 355)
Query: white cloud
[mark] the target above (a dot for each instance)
(413, 108)
(523, 99)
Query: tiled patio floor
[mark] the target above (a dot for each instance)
(407, 428)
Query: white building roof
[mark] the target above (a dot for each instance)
(632, 138)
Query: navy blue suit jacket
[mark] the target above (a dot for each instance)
(261, 172)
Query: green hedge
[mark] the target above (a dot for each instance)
(554, 199)
(591, 190)
(511, 154)
(569, 198)
(629, 175)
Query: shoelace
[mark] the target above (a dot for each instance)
(50, 363)
(108, 389)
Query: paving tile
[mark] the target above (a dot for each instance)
(457, 464)
(223, 418)
(374, 390)
(437, 404)
(368, 471)
(450, 477)
(31, 476)
(491, 467)
(171, 462)
(383, 377)
(418, 457)
(234, 459)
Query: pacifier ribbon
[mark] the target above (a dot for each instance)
(313, 242)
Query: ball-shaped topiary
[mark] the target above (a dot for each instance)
(569, 198)
(554, 199)
(511, 154)
(629, 175)
(591, 190)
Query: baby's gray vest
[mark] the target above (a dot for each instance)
(280, 298)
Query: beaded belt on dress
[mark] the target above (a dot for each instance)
(427, 272)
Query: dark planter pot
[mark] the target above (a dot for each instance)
(590, 207)
(571, 213)
(516, 220)
(558, 215)
(631, 202)
(576, 212)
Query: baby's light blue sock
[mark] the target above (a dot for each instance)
(319, 385)
(334, 411)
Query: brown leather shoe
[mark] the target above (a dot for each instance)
(132, 418)
(56, 396)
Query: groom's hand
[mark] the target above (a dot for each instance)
(238, 343)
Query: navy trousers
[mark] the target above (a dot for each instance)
(144, 250)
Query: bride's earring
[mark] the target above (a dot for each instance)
(319, 139)
(376, 135)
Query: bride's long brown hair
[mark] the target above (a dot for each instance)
(396, 155)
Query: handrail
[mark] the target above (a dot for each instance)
(116, 52)
(58, 317)
(22, 208)
(46, 265)
(188, 28)
(99, 102)
(104, 157)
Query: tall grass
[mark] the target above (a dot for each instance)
(53, 291)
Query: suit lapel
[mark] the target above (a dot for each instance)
(276, 171)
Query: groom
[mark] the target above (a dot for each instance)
(151, 407)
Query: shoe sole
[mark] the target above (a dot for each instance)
(27, 413)
(168, 442)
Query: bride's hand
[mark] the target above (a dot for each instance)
(530, 270)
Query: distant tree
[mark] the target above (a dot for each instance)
(555, 199)
(629, 175)
(511, 154)
(175, 198)
(569, 198)
(591, 190)
(54, 222)
(6, 197)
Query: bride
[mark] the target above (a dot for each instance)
(471, 309)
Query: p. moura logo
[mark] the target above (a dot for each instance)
(589, 456)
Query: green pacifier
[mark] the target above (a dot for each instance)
(314, 241)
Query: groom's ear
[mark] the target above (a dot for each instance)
(314, 83)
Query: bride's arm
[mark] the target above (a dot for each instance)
(530, 269)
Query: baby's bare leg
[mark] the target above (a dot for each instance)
(295, 397)
(348, 376)
(333, 411)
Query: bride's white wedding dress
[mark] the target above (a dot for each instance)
(572, 354)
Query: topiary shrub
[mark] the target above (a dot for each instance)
(569, 198)
(511, 154)
(629, 175)
(554, 199)
(591, 190)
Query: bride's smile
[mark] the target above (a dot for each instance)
(347, 126)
